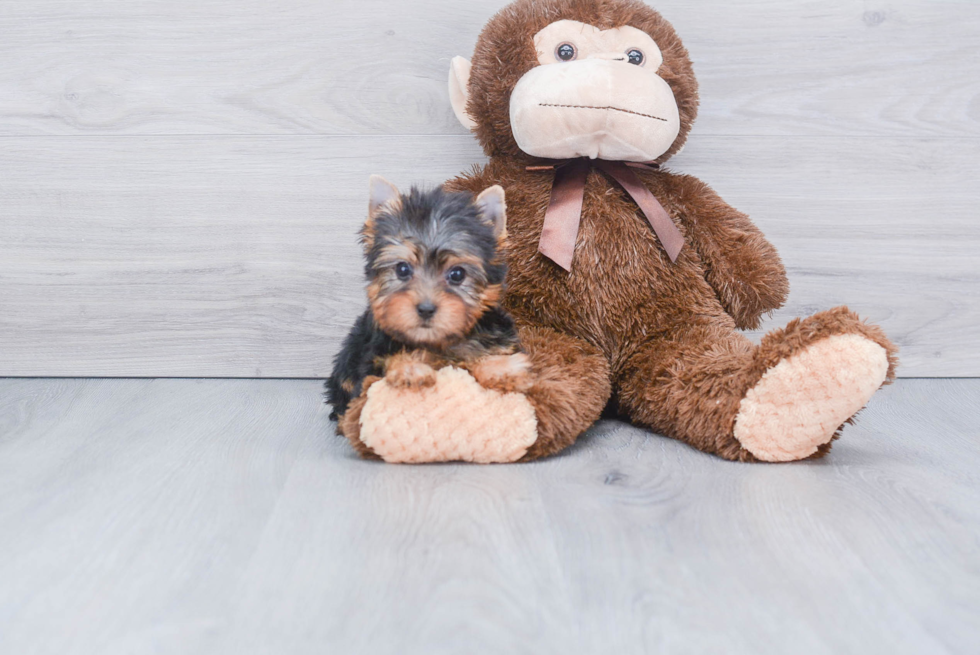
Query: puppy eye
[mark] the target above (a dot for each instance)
(635, 56)
(565, 52)
(403, 271)
(456, 275)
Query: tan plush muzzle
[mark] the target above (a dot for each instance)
(598, 108)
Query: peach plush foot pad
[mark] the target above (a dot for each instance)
(454, 420)
(799, 404)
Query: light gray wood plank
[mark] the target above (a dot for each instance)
(237, 256)
(885, 67)
(885, 226)
(179, 256)
(128, 509)
(177, 516)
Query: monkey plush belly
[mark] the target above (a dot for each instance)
(618, 255)
(622, 287)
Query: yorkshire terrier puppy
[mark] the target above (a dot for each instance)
(435, 279)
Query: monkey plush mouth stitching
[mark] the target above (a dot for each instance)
(625, 111)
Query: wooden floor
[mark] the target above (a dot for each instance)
(203, 516)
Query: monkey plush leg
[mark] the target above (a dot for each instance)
(561, 394)
(784, 400)
(569, 387)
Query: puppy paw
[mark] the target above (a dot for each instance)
(503, 372)
(408, 373)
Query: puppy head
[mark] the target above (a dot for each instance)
(432, 261)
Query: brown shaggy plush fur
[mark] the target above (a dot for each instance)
(571, 386)
(661, 336)
(505, 52)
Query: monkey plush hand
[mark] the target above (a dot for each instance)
(628, 282)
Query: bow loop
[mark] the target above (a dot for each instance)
(562, 218)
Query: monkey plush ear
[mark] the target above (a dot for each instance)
(459, 84)
(382, 191)
(493, 206)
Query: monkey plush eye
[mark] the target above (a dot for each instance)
(403, 271)
(635, 56)
(456, 275)
(565, 52)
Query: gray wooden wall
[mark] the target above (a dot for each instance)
(181, 180)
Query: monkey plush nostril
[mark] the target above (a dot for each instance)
(426, 310)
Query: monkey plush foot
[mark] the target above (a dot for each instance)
(801, 402)
(454, 419)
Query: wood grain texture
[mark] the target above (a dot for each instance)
(177, 516)
(881, 67)
(180, 182)
(237, 256)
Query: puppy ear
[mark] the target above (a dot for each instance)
(459, 91)
(382, 191)
(493, 206)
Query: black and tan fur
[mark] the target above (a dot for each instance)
(435, 278)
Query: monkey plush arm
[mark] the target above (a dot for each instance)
(741, 266)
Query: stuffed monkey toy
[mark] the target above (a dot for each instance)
(629, 283)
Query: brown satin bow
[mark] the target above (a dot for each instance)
(561, 220)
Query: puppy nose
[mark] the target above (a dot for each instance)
(426, 310)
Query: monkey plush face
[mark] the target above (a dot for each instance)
(569, 78)
(595, 94)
